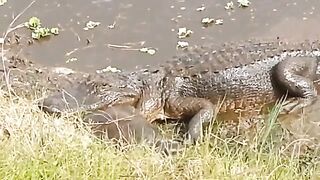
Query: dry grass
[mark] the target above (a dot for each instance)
(46, 147)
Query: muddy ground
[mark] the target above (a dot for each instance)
(156, 24)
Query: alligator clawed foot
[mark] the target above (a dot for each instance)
(295, 104)
(191, 139)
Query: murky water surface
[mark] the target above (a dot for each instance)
(154, 23)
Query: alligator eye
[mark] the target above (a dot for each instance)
(107, 85)
(204, 72)
(190, 66)
(156, 71)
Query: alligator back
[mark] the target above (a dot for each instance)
(240, 73)
(216, 58)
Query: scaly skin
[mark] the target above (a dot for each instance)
(27, 78)
(246, 76)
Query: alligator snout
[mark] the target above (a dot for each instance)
(59, 102)
(49, 106)
(69, 99)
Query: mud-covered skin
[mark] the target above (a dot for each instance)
(246, 76)
(121, 123)
(125, 124)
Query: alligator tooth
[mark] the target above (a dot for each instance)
(55, 110)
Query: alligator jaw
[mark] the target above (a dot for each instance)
(49, 110)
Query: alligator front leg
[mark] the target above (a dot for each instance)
(199, 110)
(295, 76)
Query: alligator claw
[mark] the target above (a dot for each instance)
(295, 104)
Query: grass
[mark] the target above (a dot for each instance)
(47, 147)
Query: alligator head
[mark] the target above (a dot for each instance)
(95, 92)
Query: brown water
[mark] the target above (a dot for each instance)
(156, 23)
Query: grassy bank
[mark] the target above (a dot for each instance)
(45, 147)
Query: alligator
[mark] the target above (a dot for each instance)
(122, 123)
(203, 81)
